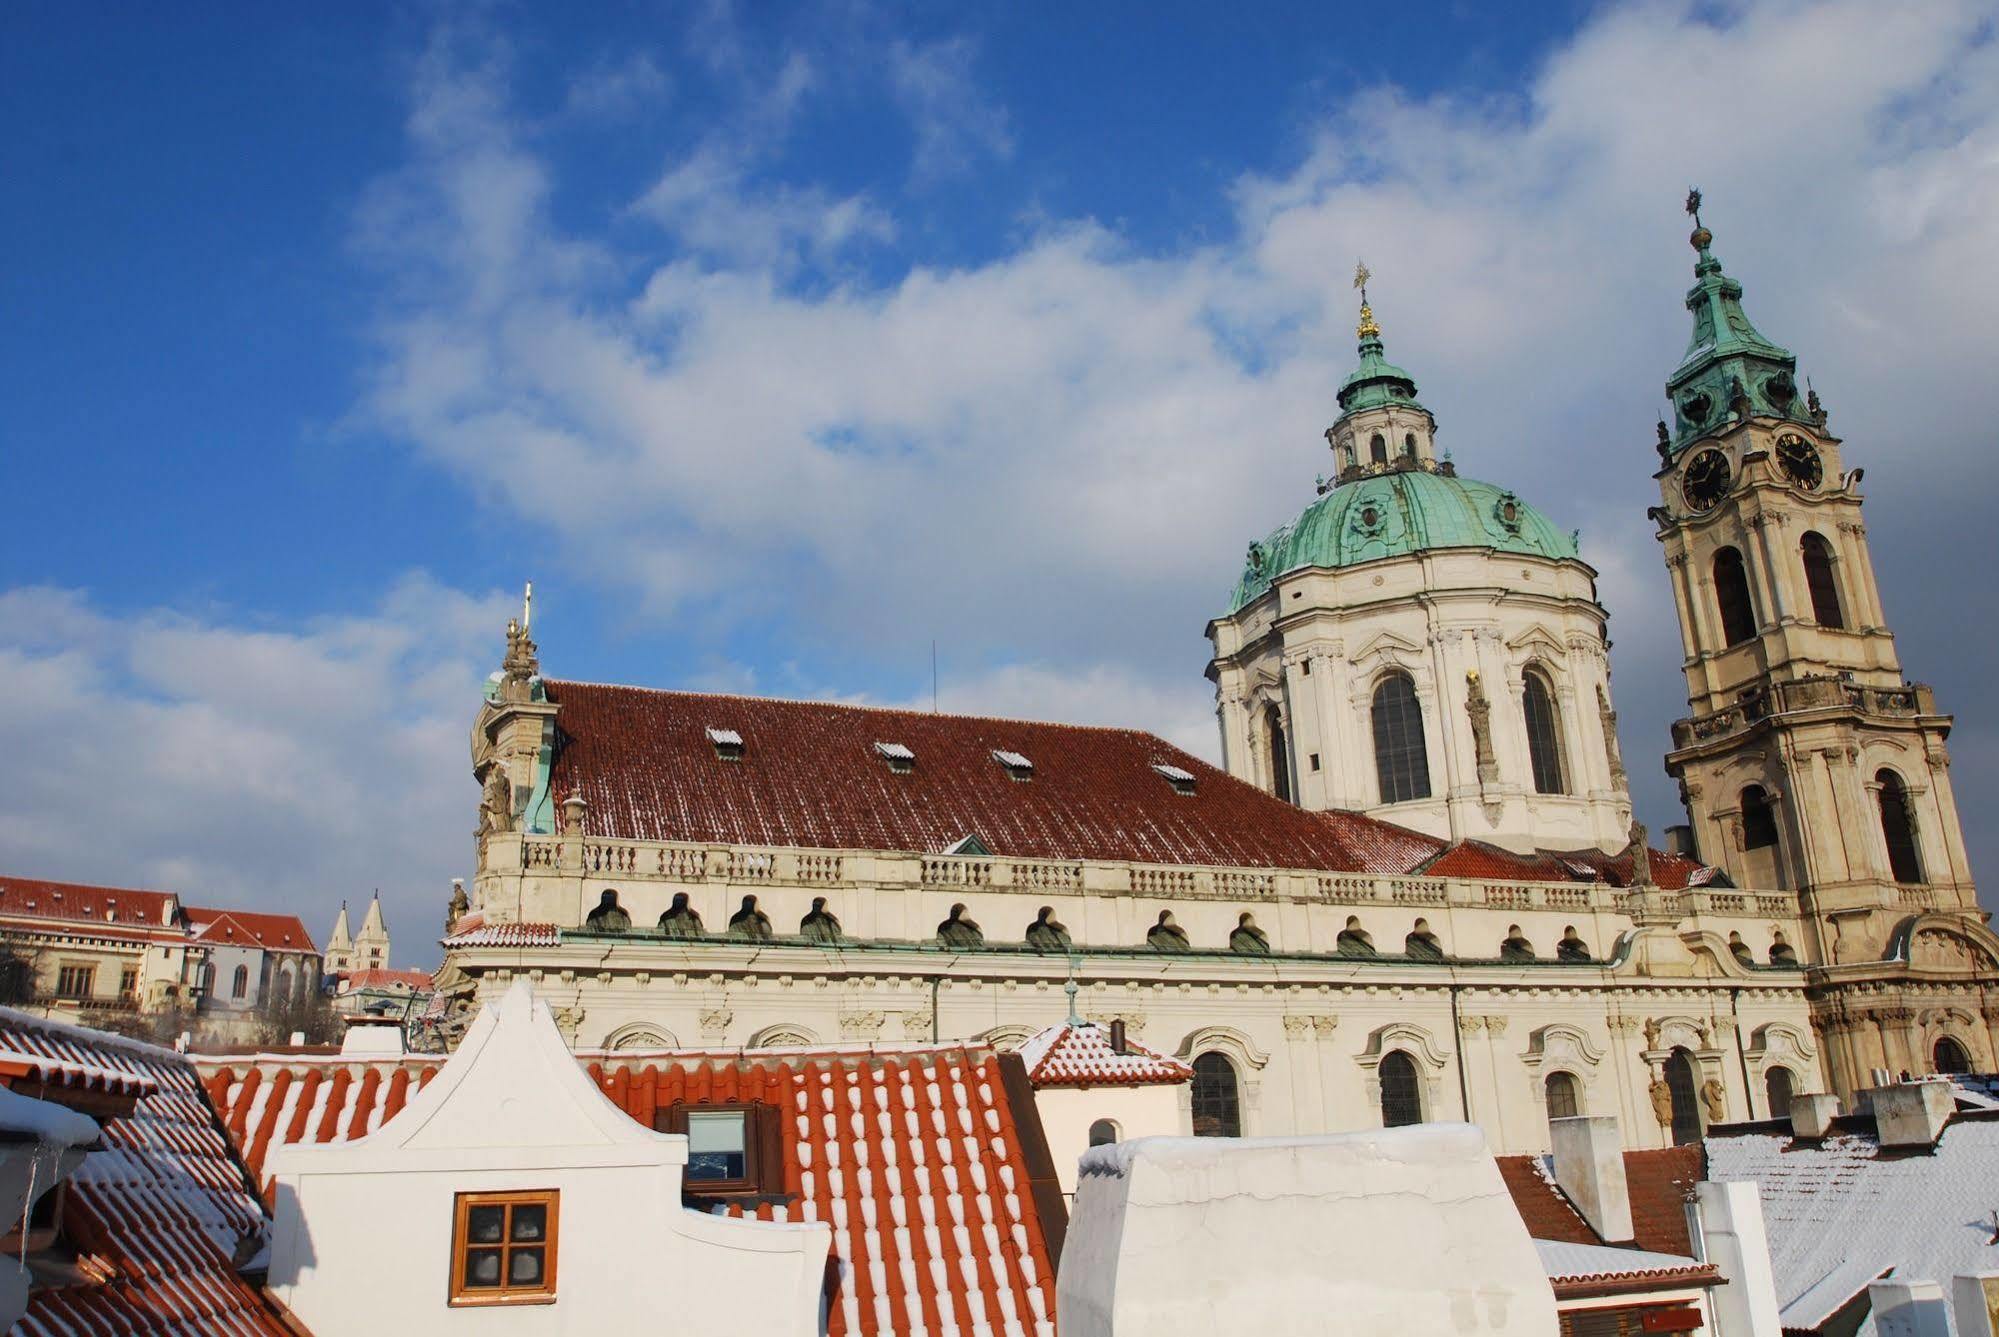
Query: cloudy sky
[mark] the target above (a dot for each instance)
(775, 343)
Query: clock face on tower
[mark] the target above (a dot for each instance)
(1705, 480)
(1799, 459)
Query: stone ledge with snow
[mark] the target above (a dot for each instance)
(1405, 1232)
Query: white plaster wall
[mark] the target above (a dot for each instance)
(1403, 1233)
(1138, 1111)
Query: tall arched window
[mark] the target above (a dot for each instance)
(1408, 445)
(1949, 1056)
(1731, 592)
(1819, 580)
(1777, 1084)
(1377, 449)
(208, 978)
(240, 986)
(1544, 748)
(283, 992)
(1280, 754)
(1759, 820)
(1401, 1090)
(1686, 1101)
(1564, 1100)
(1217, 1107)
(1898, 828)
(1401, 760)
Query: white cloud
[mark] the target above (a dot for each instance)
(1053, 459)
(955, 123)
(264, 768)
(614, 89)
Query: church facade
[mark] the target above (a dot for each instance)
(1414, 890)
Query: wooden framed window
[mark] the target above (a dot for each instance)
(76, 981)
(503, 1248)
(128, 982)
(732, 1150)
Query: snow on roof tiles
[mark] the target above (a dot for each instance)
(1081, 1055)
(1567, 1262)
(483, 934)
(156, 1213)
(1840, 1212)
(914, 1157)
(814, 780)
(1476, 859)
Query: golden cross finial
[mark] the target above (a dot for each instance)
(1368, 329)
(1361, 274)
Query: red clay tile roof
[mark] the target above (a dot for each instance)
(277, 933)
(355, 980)
(1081, 1055)
(156, 1212)
(1661, 1182)
(809, 776)
(1476, 859)
(36, 898)
(474, 931)
(917, 1158)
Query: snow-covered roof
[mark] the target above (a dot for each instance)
(45, 1121)
(1566, 1262)
(61, 1061)
(474, 931)
(1080, 1054)
(1841, 1212)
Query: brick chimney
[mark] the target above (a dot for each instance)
(1911, 1114)
(1589, 1169)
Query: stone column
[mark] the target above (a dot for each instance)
(1301, 1048)
(1773, 582)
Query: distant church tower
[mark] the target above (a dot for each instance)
(369, 950)
(1421, 646)
(1806, 761)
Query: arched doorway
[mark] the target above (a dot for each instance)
(1686, 1097)
(1401, 1090)
(1948, 1056)
(1777, 1087)
(1217, 1101)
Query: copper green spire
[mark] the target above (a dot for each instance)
(1376, 382)
(1730, 371)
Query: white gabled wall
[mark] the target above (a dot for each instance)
(363, 1229)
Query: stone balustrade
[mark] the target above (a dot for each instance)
(1804, 694)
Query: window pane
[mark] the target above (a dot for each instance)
(1401, 759)
(1542, 748)
(1731, 592)
(1102, 1133)
(1561, 1096)
(1777, 1088)
(717, 1146)
(1401, 1099)
(530, 1222)
(1216, 1111)
(482, 1267)
(1686, 1103)
(1819, 580)
(1759, 823)
(486, 1225)
(1898, 829)
(524, 1268)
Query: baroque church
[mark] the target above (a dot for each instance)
(1414, 890)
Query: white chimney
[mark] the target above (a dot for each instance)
(1974, 1300)
(1732, 1237)
(1911, 1114)
(371, 1035)
(1812, 1115)
(1589, 1168)
(1908, 1309)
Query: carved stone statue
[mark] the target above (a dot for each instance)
(1714, 1101)
(960, 930)
(1353, 939)
(1662, 1101)
(1165, 935)
(1665, 443)
(1515, 947)
(1422, 944)
(1653, 1032)
(750, 922)
(609, 916)
(1641, 856)
(1608, 717)
(456, 908)
(1740, 950)
(1046, 933)
(1781, 952)
(681, 919)
(1571, 947)
(819, 924)
(496, 800)
(1247, 938)
(1480, 711)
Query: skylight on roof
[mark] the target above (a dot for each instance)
(898, 755)
(728, 743)
(1017, 766)
(1181, 779)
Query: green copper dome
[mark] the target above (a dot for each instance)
(1394, 515)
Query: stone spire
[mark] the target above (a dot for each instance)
(371, 944)
(340, 944)
(1730, 371)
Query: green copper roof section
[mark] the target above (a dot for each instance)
(1397, 514)
(1730, 369)
(1376, 382)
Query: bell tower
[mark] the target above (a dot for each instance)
(1806, 760)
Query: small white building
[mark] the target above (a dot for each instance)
(1094, 1086)
(516, 1188)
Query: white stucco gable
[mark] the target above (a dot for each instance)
(366, 1234)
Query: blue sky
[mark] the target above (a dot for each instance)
(774, 342)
